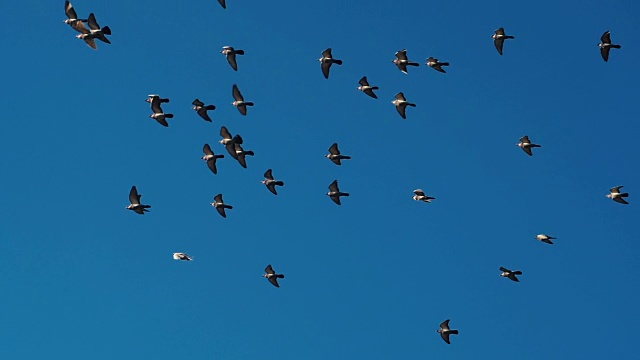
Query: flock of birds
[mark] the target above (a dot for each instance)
(233, 143)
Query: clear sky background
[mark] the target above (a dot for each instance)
(83, 278)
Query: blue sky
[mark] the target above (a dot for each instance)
(84, 278)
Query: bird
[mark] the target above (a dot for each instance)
(211, 158)
(223, 3)
(334, 155)
(545, 238)
(420, 196)
(241, 154)
(272, 276)
(445, 331)
(498, 39)
(152, 96)
(134, 199)
(94, 32)
(616, 196)
(72, 16)
(240, 103)
(326, 61)
(202, 109)
(511, 275)
(220, 205)
(366, 88)
(606, 45)
(436, 65)
(181, 256)
(402, 61)
(401, 104)
(231, 53)
(158, 114)
(270, 182)
(334, 192)
(229, 141)
(526, 145)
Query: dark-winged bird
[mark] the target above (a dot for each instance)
(445, 331)
(229, 141)
(272, 276)
(606, 45)
(220, 205)
(526, 145)
(511, 275)
(335, 193)
(202, 109)
(241, 154)
(211, 158)
(134, 199)
(401, 104)
(239, 100)
(270, 182)
(402, 61)
(231, 53)
(436, 65)
(366, 88)
(335, 156)
(498, 39)
(617, 196)
(326, 61)
(545, 238)
(158, 114)
(94, 32)
(421, 196)
(72, 16)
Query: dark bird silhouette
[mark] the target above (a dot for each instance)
(335, 193)
(158, 113)
(402, 61)
(270, 182)
(436, 65)
(241, 154)
(511, 275)
(202, 109)
(401, 104)
(239, 100)
(617, 196)
(220, 206)
(335, 156)
(326, 61)
(526, 145)
(606, 45)
(231, 53)
(229, 141)
(366, 88)
(134, 199)
(445, 331)
(498, 39)
(72, 16)
(272, 276)
(545, 238)
(211, 158)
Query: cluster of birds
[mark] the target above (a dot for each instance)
(233, 143)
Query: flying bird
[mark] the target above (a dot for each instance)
(421, 196)
(545, 238)
(498, 39)
(158, 114)
(181, 256)
(401, 104)
(335, 193)
(511, 275)
(220, 205)
(241, 154)
(526, 145)
(326, 61)
(134, 199)
(72, 16)
(366, 88)
(617, 196)
(152, 96)
(606, 45)
(334, 155)
(231, 53)
(229, 141)
(240, 103)
(402, 61)
(445, 331)
(272, 276)
(211, 158)
(202, 109)
(270, 182)
(436, 65)
(94, 32)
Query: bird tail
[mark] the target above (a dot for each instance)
(344, 194)
(248, 104)
(168, 116)
(453, 332)
(413, 64)
(227, 206)
(239, 52)
(210, 107)
(411, 104)
(106, 30)
(624, 195)
(444, 64)
(551, 238)
(509, 37)
(280, 276)
(535, 145)
(279, 183)
(374, 88)
(616, 46)
(339, 62)
(517, 272)
(250, 153)
(164, 101)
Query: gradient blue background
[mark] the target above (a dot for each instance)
(83, 278)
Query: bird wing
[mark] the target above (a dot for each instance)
(236, 93)
(269, 174)
(155, 105)
(91, 42)
(498, 42)
(272, 188)
(402, 110)
(528, 150)
(402, 54)
(197, 102)
(93, 23)
(211, 163)
(231, 58)
(334, 186)
(223, 3)
(325, 69)
(336, 199)
(400, 96)
(327, 53)
(419, 192)
(620, 200)
(79, 26)
(445, 325)
(371, 93)
(606, 37)
(269, 270)
(240, 155)
(363, 81)
(604, 51)
(207, 149)
(225, 133)
(333, 150)
(504, 269)
(203, 114)
(616, 189)
(162, 121)
(134, 198)
(221, 211)
(218, 199)
(242, 109)
(525, 139)
(500, 31)
(445, 337)
(69, 10)
(274, 280)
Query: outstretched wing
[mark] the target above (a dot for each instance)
(134, 198)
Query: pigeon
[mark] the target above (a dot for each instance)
(334, 192)
(272, 276)
(499, 38)
(158, 114)
(220, 205)
(510, 274)
(420, 196)
(545, 238)
(366, 88)
(229, 141)
(240, 103)
(606, 45)
(402, 61)
(526, 145)
(617, 196)
(72, 16)
(211, 158)
(270, 182)
(334, 155)
(134, 199)
(202, 109)
(445, 331)
(401, 104)
(436, 65)
(94, 32)
(223, 3)
(231, 53)
(326, 61)
(181, 256)
(241, 154)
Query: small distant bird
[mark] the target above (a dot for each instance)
(223, 3)
(498, 39)
(511, 275)
(181, 256)
(241, 154)
(606, 45)
(334, 155)
(616, 196)
(231, 53)
(240, 103)
(421, 196)
(445, 331)
(272, 276)
(270, 182)
(326, 61)
(229, 141)
(436, 65)
(211, 158)
(334, 192)
(220, 205)
(158, 114)
(401, 104)
(402, 61)
(526, 145)
(134, 199)
(202, 109)
(545, 238)
(94, 32)
(152, 96)
(366, 88)
(72, 16)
